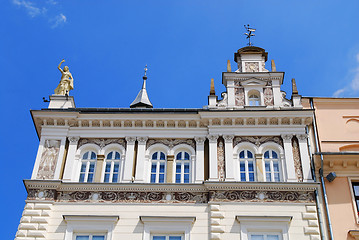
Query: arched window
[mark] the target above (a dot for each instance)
(246, 166)
(272, 166)
(88, 166)
(254, 100)
(158, 167)
(183, 167)
(112, 167)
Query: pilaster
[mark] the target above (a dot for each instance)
(99, 167)
(70, 159)
(289, 160)
(304, 157)
(213, 160)
(129, 159)
(228, 150)
(260, 164)
(199, 174)
(169, 173)
(140, 162)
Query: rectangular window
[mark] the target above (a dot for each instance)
(90, 237)
(166, 237)
(356, 194)
(264, 236)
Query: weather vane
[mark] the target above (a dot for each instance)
(249, 34)
(145, 69)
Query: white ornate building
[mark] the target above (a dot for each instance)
(237, 169)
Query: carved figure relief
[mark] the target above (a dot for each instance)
(297, 162)
(268, 97)
(224, 101)
(101, 142)
(252, 66)
(239, 96)
(258, 140)
(171, 142)
(220, 157)
(48, 159)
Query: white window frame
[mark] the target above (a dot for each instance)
(265, 234)
(89, 234)
(167, 235)
(112, 162)
(167, 225)
(88, 162)
(271, 160)
(182, 162)
(264, 225)
(81, 224)
(158, 163)
(246, 160)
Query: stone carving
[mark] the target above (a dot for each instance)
(224, 101)
(258, 140)
(171, 142)
(47, 194)
(48, 159)
(212, 138)
(200, 140)
(261, 196)
(239, 97)
(252, 66)
(66, 83)
(73, 140)
(130, 139)
(228, 138)
(285, 101)
(302, 137)
(297, 162)
(287, 137)
(268, 97)
(142, 140)
(220, 157)
(102, 142)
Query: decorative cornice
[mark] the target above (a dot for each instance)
(101, 142)
(171, 142)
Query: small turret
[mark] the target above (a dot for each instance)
(142, 100)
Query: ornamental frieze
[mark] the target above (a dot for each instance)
(101, 142)
(262, 196)
(171, 142)
(258, 140)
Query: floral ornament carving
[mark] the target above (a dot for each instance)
(171, 142)
(102, 142)
(73, 140)
(46, 194)
(200, 140)
(258, 140)
(220, 157)
(297, 162)
(239, 96)
(48, 160)
(268, 97)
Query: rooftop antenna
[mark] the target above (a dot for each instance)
(249, 33)
(145, 69)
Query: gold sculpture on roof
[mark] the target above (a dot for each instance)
(66, 83)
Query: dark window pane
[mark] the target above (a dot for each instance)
(108, 167)
(243, 177)
(179, 156)
(186, 156)
(163, 156)
(178, 178)
(186, 168)
(241, 154)
(153, 168)
(178, 168)
(117, 155)
(250, 166)
(356, 190)
(107, 177)
(274, 154)
(186, 178)
(161, 178)
(153, 178)
(251, 177)
(93, 155)
(90, 178)
(162, 168)
(242, 166)
(116, 167)
(109, 156)
(82, 177)
(250, 155)
(83, 167)
(86, 155)
(266, 154)
(154, 156)
(115, 178)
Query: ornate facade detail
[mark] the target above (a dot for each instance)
(200, 140)
(268, 97)
(287, 137)
(252, 66)
(142, 140)
(171, 142)
(261, 196)
(130, 139)
(212, 138)
(102, 142)
(239, 96)
(73, 140)
(42, 194)
(228, 138)
(224, 101)
(302, 137)
(258, 140)
(48, 159)
(297, 162)
(221, 162)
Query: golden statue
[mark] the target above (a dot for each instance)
(66, 83)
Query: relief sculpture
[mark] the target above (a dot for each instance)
(48, 159)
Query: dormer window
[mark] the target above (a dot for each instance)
(254, 98)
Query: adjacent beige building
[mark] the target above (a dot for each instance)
(337, 127)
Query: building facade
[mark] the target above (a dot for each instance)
(337, 154)
(236, 169)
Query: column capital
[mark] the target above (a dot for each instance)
(200, 140)
(228, 138)
(287, 137)
(73, 140)
(130, 139)
(302, 137)
(212, 138)
(142, 140)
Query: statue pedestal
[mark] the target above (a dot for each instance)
(60, 101)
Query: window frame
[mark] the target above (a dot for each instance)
(88, 161)
(158, 165)
(89, 234)
(167, 235)
(112, 162)
(271, 161)
(246, 160)
(84, 224)
(182, 161)
(167, 225)
(352, 180)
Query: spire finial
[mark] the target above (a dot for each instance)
(145, 69)
(294, 87)
(249, 34)
(274, 69)
(229, 69)
(212, 91)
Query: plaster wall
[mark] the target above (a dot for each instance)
(341, 208)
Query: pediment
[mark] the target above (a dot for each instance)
(254, 82)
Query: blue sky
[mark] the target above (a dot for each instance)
(106, 44)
